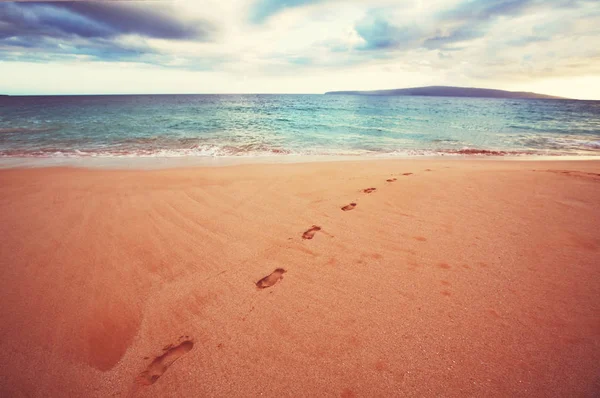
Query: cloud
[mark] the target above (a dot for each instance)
(454, 40)
(92, 28)
(261, 10)
(95, 20)
(379, 34)
(470, 20)
(484, 10)
(44, 20)
(446, 41)
(449, 28)
(145, 19)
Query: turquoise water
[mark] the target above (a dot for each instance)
(279, 125)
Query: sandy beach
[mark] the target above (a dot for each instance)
(449, 278)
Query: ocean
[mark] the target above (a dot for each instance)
(282, 125)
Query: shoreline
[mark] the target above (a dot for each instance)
(153, 163)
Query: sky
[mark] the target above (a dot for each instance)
(299, 46)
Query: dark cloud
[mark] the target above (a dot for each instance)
(97, 20)
(33, 20)
(91, 28)
(145, 19)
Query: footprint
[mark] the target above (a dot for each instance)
(271, 279)
(391, 179)
(160, 364)
(310, 233)
(349, 207)
(369, 190)
(406, 174)
(427, 169)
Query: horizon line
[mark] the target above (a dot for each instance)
(319, 93)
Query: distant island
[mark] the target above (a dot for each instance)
(449, 91)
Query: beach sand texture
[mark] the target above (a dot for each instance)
(450, 278)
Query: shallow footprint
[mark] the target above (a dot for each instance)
(160, 364)
(406, 174)
(271, 279)
(310, 233)
(369, 190)
(391, 179)
(349, 207)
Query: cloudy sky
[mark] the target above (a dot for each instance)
(299, 46)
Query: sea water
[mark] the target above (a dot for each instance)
(298, 125)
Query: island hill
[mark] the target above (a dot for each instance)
(448, 91)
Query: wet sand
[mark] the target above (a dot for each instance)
(449, 278)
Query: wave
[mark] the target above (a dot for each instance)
(198, 150)
(215, 151)
(252, 146)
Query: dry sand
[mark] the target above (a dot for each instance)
(464, 278)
